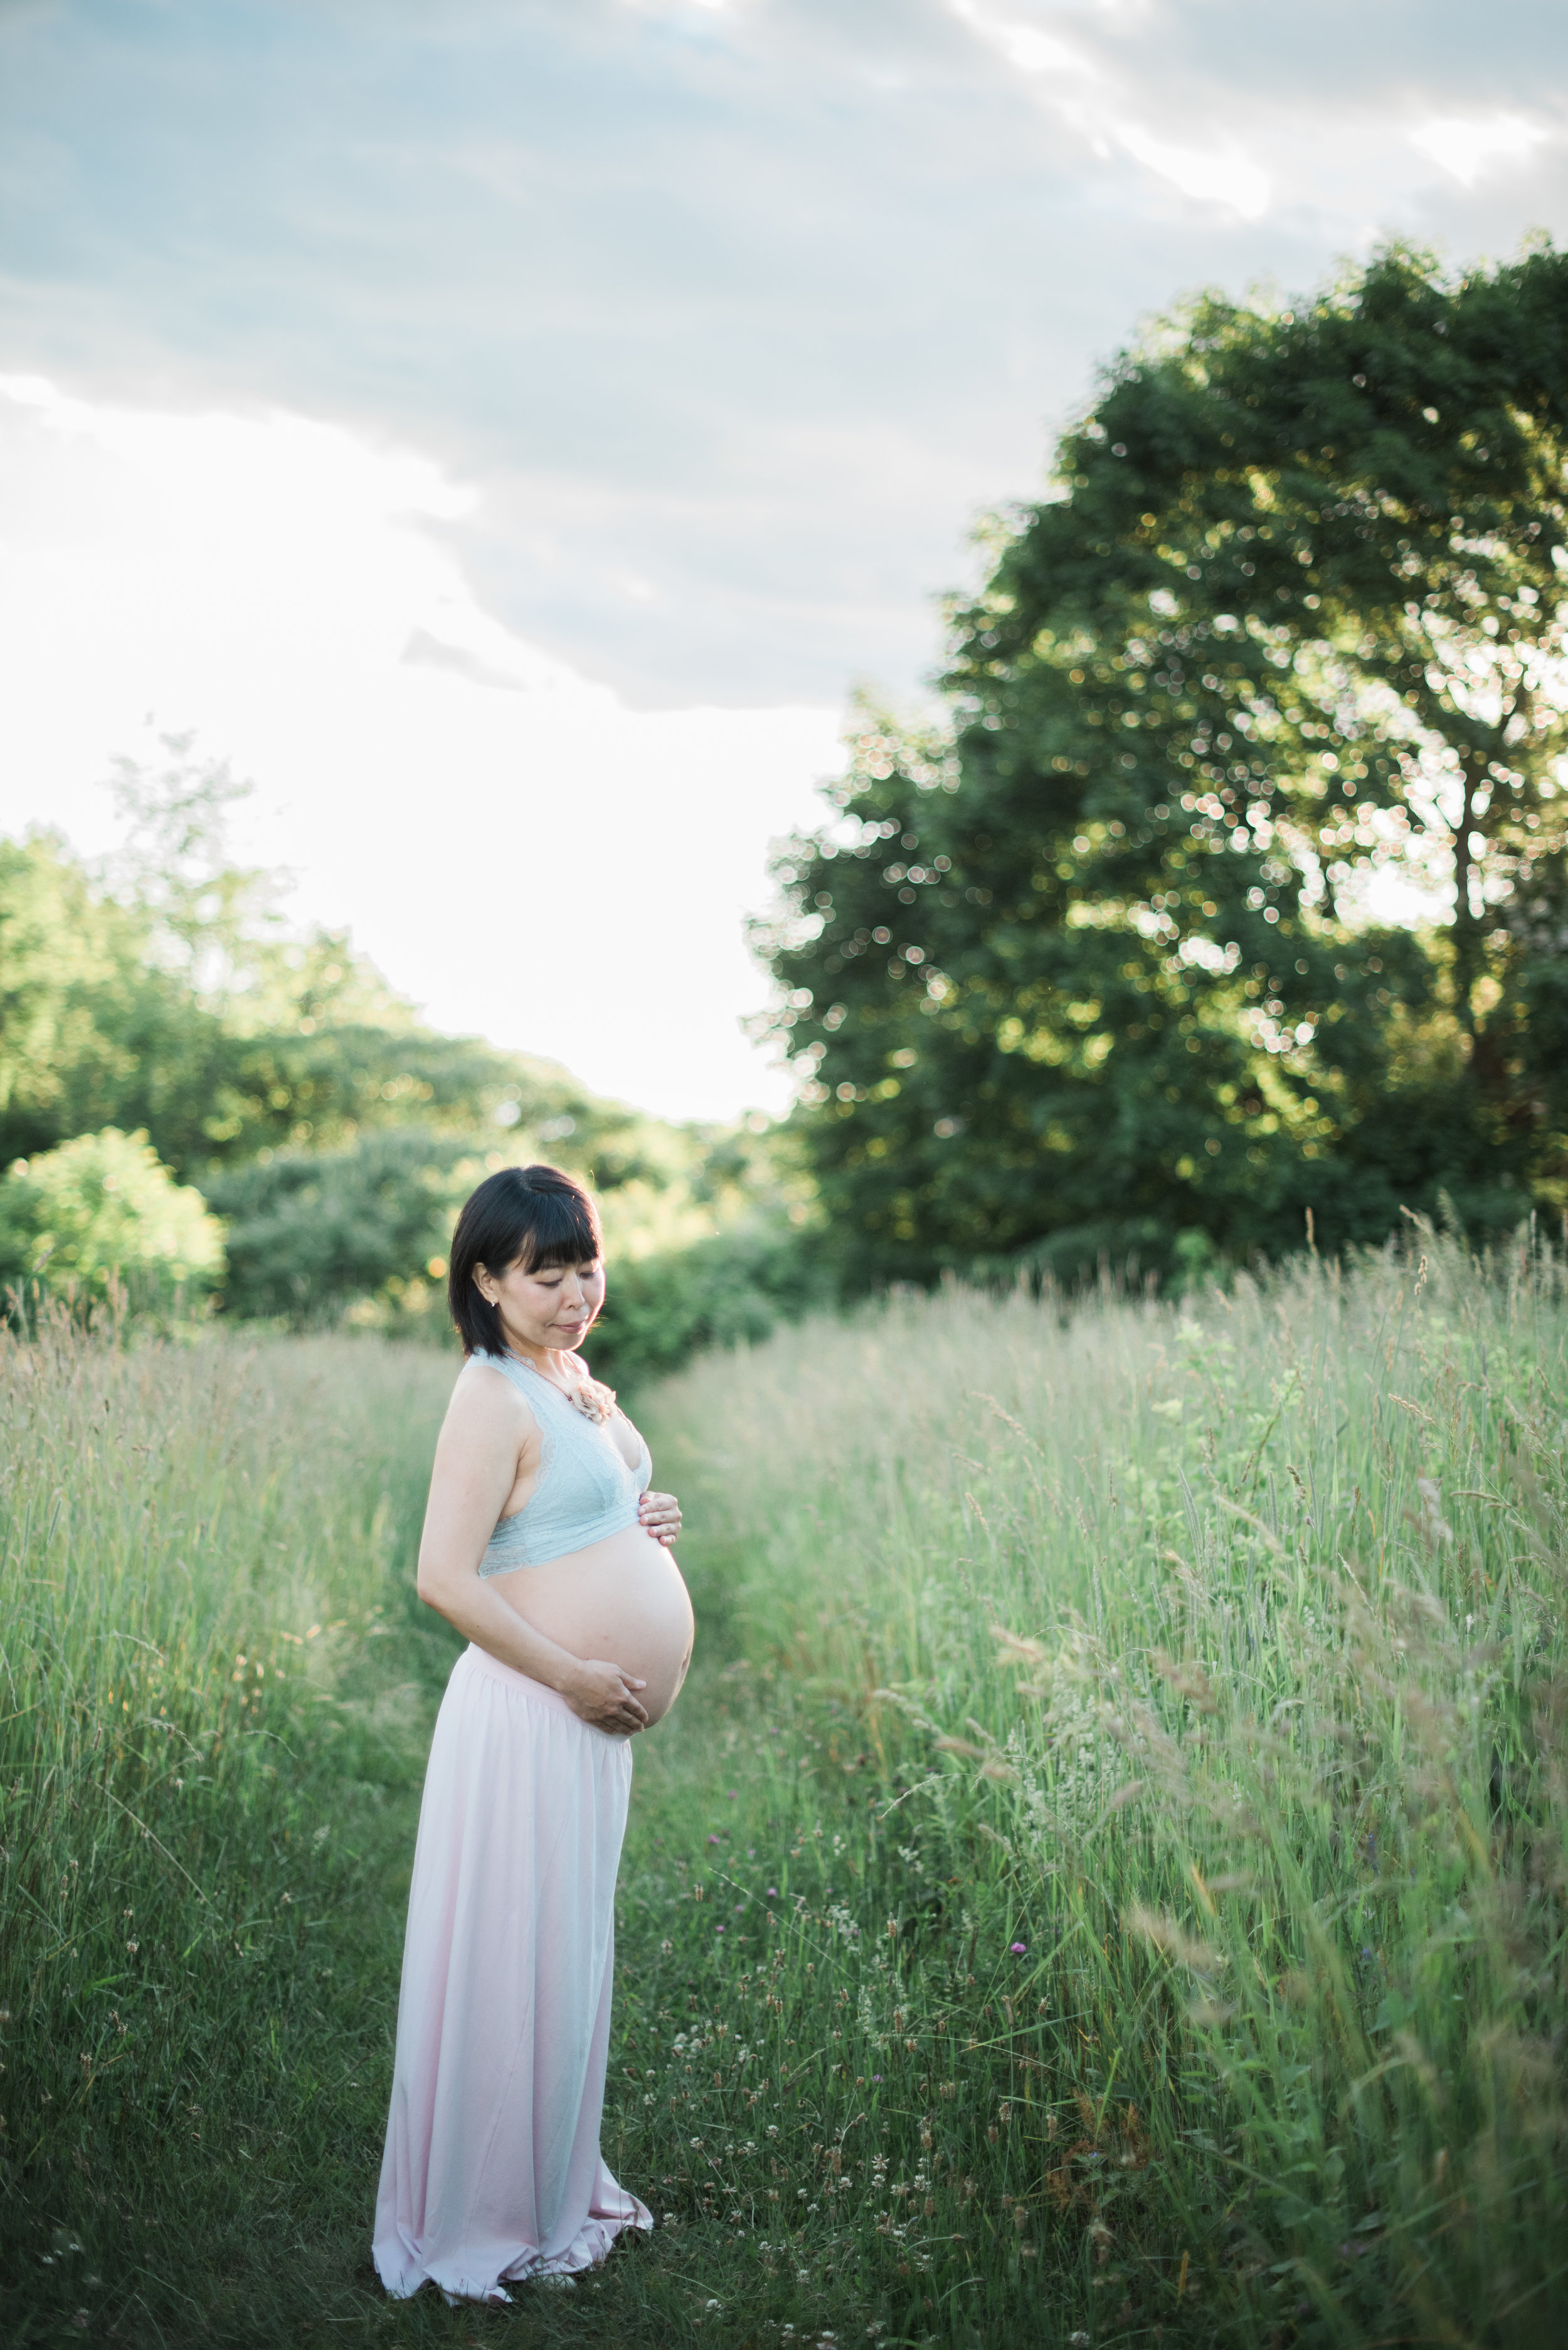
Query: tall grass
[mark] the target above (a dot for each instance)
(1196, 1967)
(197, 1735)
(1103, 1881)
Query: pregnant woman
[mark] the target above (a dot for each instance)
(542, 1545)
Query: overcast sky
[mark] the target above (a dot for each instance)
(509, 428)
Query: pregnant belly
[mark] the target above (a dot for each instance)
(622, 1600)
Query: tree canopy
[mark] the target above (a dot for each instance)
(158, 991)
(159, 1029)
(1234, 885)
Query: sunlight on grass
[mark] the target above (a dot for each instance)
(1103, 1882)
(199, 1742)
(1199, 1947)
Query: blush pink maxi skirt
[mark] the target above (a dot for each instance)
(491, 2169)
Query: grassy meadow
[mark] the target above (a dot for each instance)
(1104, 1883)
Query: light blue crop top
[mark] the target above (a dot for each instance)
(584, 1490)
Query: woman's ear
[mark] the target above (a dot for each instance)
(485, 1282)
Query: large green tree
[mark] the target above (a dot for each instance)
(100, 1024)
(1234, 887)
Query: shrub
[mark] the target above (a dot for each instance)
(734, 1287)
(312, 1234)
(104, 1209)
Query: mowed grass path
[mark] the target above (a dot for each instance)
(1103, 1880)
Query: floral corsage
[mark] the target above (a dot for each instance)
(594, 1400)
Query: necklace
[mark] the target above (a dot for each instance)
(589, 1396)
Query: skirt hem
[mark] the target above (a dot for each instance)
(588, 2249)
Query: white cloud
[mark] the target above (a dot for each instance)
(1468, 148)
(667, 280)
(1026, 46)
(1092, 99)
(521, 852)
(1222, 174)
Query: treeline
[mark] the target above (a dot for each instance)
(1224, 909)
(1230, 903)
(198, 1111)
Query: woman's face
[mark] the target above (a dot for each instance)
(554, 1308)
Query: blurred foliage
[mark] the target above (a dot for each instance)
(732, 1289)
(100, 1024)
(315, 1233)
(728, 1249)
(336, 1136)
(362, 1234)
(1103, 965)
(103, 1211)
(92, 1032)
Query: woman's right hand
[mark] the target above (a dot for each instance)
(605, 1697)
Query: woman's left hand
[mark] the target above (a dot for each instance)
(659, 1515)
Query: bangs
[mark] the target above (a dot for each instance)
(563, 1230)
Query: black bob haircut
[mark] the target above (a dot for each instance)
(534, 1215)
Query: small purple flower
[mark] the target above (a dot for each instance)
(875, 2078)
(712, 1839)
(1019, 1950)
(773, 1892)
(734, 1794)
(719, 1930)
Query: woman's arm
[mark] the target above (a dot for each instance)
(476, 1464)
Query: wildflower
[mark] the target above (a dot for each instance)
(712, 1839)
(1018, 1949)
(773, 1893)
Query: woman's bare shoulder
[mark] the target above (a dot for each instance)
(485, 1403)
